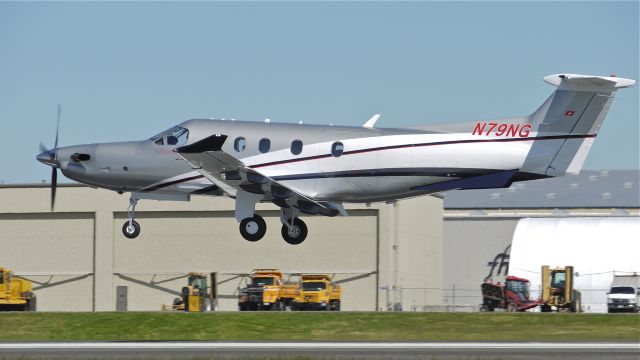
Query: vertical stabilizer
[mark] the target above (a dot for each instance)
(568, 122)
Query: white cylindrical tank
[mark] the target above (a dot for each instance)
(596, 247)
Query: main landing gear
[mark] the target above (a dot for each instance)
(294, 230)
(253, 228)
(131, 228)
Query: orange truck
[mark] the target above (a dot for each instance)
(267, 290)
(319, 293)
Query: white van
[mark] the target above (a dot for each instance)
(623, 295)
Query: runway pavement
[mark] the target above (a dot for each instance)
(320, 350)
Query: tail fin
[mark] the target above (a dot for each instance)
(568, 122)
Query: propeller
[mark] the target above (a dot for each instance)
(50, 157)
(54, 169)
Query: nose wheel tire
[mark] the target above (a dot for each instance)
(131, 231)
(253, 228)
(295, 234)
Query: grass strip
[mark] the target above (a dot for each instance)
(257, 326)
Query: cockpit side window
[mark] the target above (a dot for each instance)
(175, 136)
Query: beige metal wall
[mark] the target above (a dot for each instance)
(79, 256)
(208, 241)
(46, 247)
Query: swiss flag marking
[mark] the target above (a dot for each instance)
(569, 113)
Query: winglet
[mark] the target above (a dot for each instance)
(369, 124)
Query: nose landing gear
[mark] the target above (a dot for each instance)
(131, 228)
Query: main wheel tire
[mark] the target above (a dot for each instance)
(131, 231)
(296, 234)
(512, 307)
(337, 305)
(253, 228)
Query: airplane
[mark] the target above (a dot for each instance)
(315, 169)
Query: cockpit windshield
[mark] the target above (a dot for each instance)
(175, 136)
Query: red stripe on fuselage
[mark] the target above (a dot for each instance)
(393, 147)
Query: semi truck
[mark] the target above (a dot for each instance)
(267, 290)
(16, 294)
(624, 294)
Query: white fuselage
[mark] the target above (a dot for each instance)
(375, 165)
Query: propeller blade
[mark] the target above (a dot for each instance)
(54, 185)
(55, 146)
(43, 148)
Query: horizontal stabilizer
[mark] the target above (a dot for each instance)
(499, 179)
(587, 82)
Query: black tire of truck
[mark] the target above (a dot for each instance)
(512, 307)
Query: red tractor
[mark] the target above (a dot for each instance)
(512, 296)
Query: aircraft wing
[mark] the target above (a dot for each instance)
(232, 175)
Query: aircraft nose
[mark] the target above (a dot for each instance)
(47, 157)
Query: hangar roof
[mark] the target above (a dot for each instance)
(589, 189)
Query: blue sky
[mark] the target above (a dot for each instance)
(125, 71)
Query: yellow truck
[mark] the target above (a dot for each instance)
(319, 293)
(15, 294)
(267, 290)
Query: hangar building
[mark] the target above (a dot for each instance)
(481, 224)
(400, 256)
(79, 259)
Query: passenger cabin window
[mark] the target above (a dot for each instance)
(240, 144)
(176, 136)
(264, 145)
(296, 147)
(337, 149)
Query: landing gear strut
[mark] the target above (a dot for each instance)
(294, 230)
(253, 228)
(131, 228)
